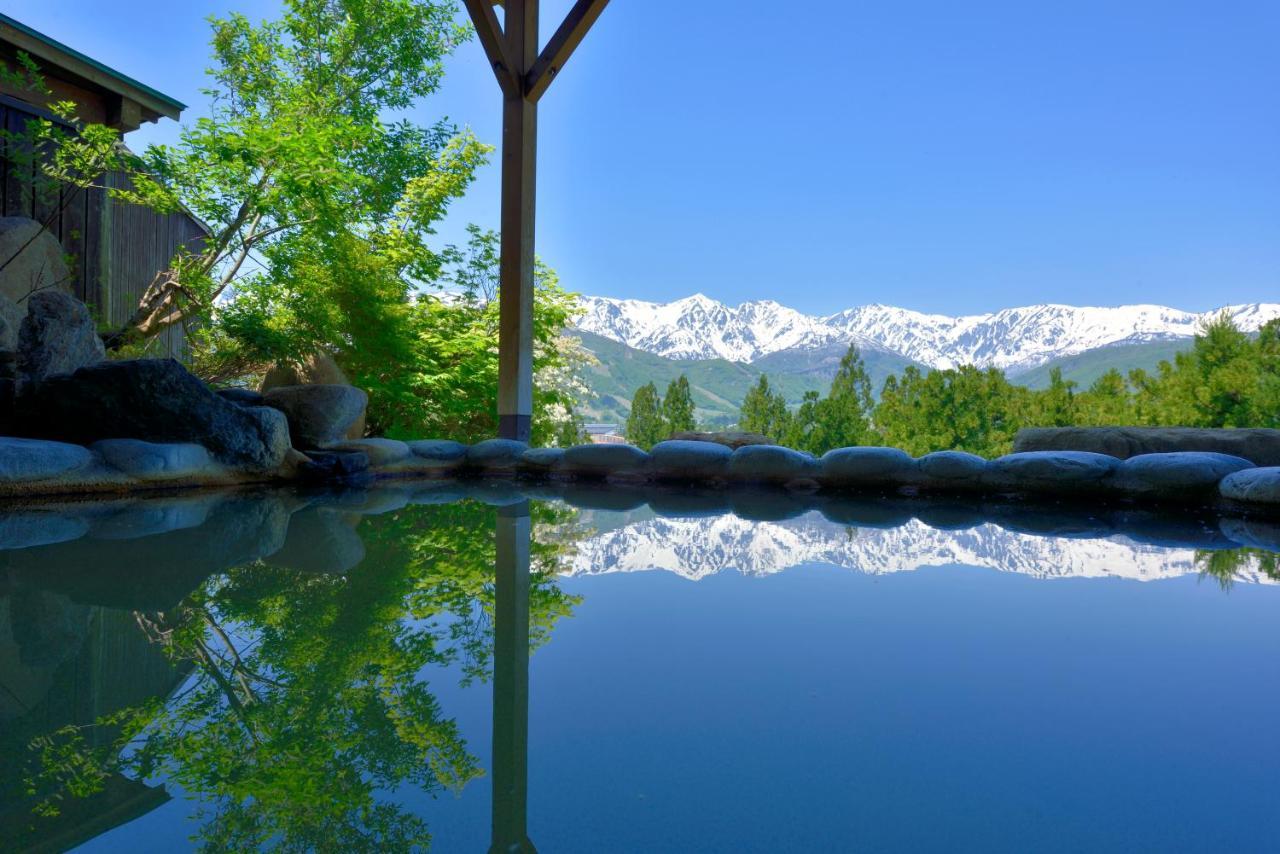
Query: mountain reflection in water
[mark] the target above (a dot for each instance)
(274, 662)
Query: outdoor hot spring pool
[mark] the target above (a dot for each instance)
(347, 671)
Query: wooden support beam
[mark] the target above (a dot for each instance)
(519, 182)
(489, 31)
(557, 52)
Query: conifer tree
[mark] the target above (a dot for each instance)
(645, 427)
(677, 406)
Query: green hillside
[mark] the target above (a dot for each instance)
(819, 366)
(1084, 368)
(718, 385)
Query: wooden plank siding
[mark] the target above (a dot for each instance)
(116, 249)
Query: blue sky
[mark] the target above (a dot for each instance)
(944, 157)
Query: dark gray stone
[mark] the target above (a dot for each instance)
(866, 467)
(771, 464)
(157, 400)
(1252, 486)
(242, 396)
(950, 470)
(1051, 472)
(438, 453)
(1259, 446)
(10, 322)
(687, 460)
(58, 336)
(604, 461)
(151, 516)
(25, 460)
(733, 439)
(1176, 476)
(321, 541)
(758, 505)
(325, 466)
(381, 452)
(541, 461)
(27, 529)
(495, 455)
(152, 460)
(1253, 533)
(864, 512)
(319, 415)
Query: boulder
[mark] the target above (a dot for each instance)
(38, 262)
(155, 461)
(495, 455)
(771, 464)
(324, 466)
(1252, 486)
(950, 470)
(58, 336)
(438, 453)
(242, 396)
(1259, 446)
(1179, 476)
(318, 369)
(157, 400)
(594, 461)
(381, 452)
(1050, 472)
(26, 460)
(733, 439)
(541, 461)
(688, 460)
(319, 415)
(10, 321)
(865, 467)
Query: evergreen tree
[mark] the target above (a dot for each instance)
(844, 417)
(645, 427)
(764, 412)
(1057, 406)
(677, 407)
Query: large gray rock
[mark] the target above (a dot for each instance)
(155, 461)
(950, 470)
(37, 260)
(1050, 472)
(771, 464)
(381, 452)
(541, 461)
(689, 460)
(316, 369)
(1176, 476)
(495, 455)
(1259, 446)
(58, 336)
(866, 467)
(157, 400)
(438, 453)
(25, 460)
(319, 415)
(1252, 486)
(10, 321)
(604, 461)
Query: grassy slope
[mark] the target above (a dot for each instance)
(1086, 367)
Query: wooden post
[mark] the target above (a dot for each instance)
(523, 76)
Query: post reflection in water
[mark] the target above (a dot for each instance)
(511, 681)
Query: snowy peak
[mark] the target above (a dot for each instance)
(1014, 339)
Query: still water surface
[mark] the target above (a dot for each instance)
(349, 672)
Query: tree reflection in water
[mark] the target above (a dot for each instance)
(306, 704)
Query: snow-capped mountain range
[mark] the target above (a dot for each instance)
(698, 548)
(1013, 339)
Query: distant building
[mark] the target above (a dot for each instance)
(605, 434)
(116, 249)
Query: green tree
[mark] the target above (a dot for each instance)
(843, 418)
(645, 425)
(677, 406)
(1056, 405)
(765, 411)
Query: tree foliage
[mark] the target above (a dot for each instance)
(677, 406)
(645, 425)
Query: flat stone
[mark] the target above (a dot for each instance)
(1178, 475)
(1053, 472)
(732, 439)
(1252, 486)
(771, 464)
(604, 461)
(1259, 446)
(157, 400)
(541, 461)
(768, 505)
(955, 470)
(24, 530)
(319, 415)
(153, 460)
(865, 513)
(438, 453)
(865, 467)
(686, 460)
(58, 336)
(500, 455)
(950, 516)
(25, 460)
(602, 496)
(381, 452)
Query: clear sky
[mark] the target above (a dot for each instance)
(940, 156)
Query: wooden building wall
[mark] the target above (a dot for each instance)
(116, 248)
